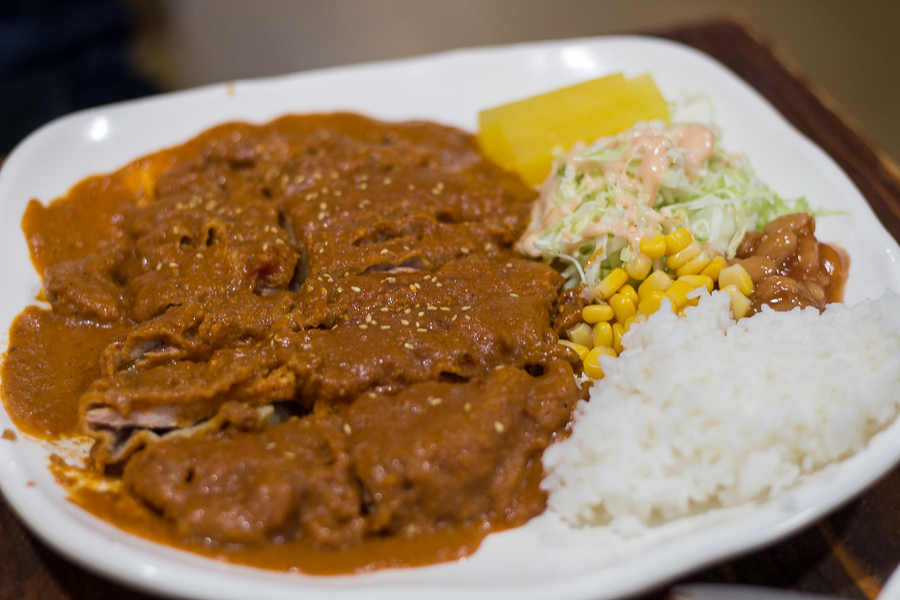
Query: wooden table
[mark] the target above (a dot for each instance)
(849, 554)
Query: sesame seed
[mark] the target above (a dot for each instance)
(418, 287)
(384, 309)
(420, 330)
(347, 429)
(384, 251)
(404, 321)
(412, 286)
(323, 205)
(158, 266)
(464, 250)
(406, 311)
(439, 284)
(468, 318)
(368, 318)
(411, 187)
(421, 313)
(363, 326)
(173, 265)
(454, 317)
(433, 400)
(465, 308)
(265, 247)
(362, 186)
(467, 406)
(340, 289)
(408, 346)
(430, 307)
(513, 295)
(498, 427)
(385, 327)
(338, 193)
(391, 279)
(387, 180)
(354, 288)
(279, 242)
(290, 455)
(487, 247)
(447, 308)
(427, 277)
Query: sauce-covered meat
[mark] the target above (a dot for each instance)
(313, 331)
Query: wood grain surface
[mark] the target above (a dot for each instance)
(849, 554)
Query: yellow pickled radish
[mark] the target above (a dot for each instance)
(521, 136)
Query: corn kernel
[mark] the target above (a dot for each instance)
(578, 348)
(696, 264)
(737, 276)
(595, 313)
(651, 302)
(677, 241)
(622, 306)
(603, 335)
(629, 321)
(653, 246)
(657, 281)
(591, 362)
(581, 334)
(628, 291)
(677, 293)
(639, 266)
(611, 283)
(673, 261)
(713, 268)
(618, 331)
(740, 303)
(699, 281)
(640, 317)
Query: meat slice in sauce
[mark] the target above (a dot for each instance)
(443, 452)
(434, 455)
(288, 480)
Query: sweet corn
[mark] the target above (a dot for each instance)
(639, 318)
(695, 265)
(653, 246)
(737, 276)
(581, 334)
(603, 335)
(651, 302)
(638, 267)
(591, 362)
(595, 313)
(699, 281)
(618, 331)
(677, 293)
(677, 241)
(657, 281)
(673, 261)
(629, 321)
(611, 283)
(628, 291)
(623, 306)
(714, 267)
(740, 303)
(578, 348)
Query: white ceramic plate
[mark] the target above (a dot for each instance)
(544, 559)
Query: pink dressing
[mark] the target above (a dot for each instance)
(636, 173)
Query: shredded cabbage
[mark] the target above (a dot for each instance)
(595, 205)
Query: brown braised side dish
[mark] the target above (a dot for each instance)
(314, 329)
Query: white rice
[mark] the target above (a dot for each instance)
(703, 412)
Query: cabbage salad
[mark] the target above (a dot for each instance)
(602, 199)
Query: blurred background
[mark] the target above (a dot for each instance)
(107, 50)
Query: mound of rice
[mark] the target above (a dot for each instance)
(703, 411)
